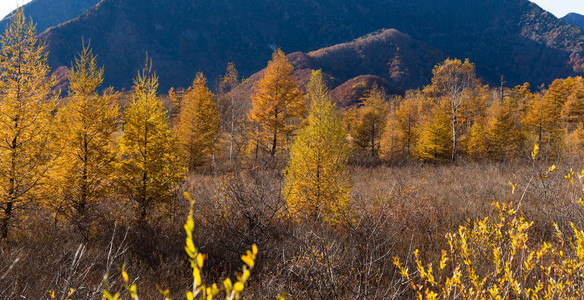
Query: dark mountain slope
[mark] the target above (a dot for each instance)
(49, 13)
(389, 54)
(510, 37)
(574, 19)
(387, 58)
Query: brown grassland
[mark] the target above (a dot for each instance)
(396, 209)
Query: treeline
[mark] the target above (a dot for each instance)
(457, 115)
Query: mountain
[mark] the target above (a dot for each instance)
(386, 58)
(514, 38)
(353, 90)
(574, 19)
(386, 53)
(49, 13)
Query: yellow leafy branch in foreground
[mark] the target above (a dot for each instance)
(197, 259)
(495, 259)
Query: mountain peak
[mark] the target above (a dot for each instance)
(574, 19)
(49, 13)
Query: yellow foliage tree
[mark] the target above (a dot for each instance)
(560, 89)
(25, 118)
(453, 84)
(435, 142)
(278, 104)
(519, 97)
(149, 167)
(82, 174)
(504, 134)
(198, 123)
(317, 181)
(370, 121)
(542, 125)
(402, 127)
(478, 143)
(573, 108)
(574, 142)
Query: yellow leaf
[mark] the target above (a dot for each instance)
(200, 259)
(238, 287)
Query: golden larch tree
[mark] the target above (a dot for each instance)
(541, 124)
(198, 123)
(370, 121)
(573, 108)
(402, 127)
(277, 105)
(317, 181)
(435, 142)
(504, 134)
(26, 149)
(574, 142)
(519, 97)
(478, 142)
(89, 120)
(150, 166)
(560, 89)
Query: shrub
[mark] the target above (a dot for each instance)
(496, 259)
(200, 290)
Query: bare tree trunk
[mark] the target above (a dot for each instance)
(6, 220)
(274, 142)
(232, 133)
(372, 139)
(454, 137)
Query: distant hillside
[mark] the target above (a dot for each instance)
(49, 13)
(387, 58)
(574, 19)
(389, 54)
(352, 91)
(514, 38)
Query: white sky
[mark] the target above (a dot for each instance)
(558, 7)
(6, 6)
(561, 8)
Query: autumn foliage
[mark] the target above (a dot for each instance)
(149, 165)
(198, 123)
(278, 105)
(94, 180)
(317, 180)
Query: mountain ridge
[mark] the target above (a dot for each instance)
(50, 13)
(574, 19)
(387, 58)
(514, 38)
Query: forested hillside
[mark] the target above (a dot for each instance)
(574, 19)
(386, 58)
(514, 38)
(50, 13)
